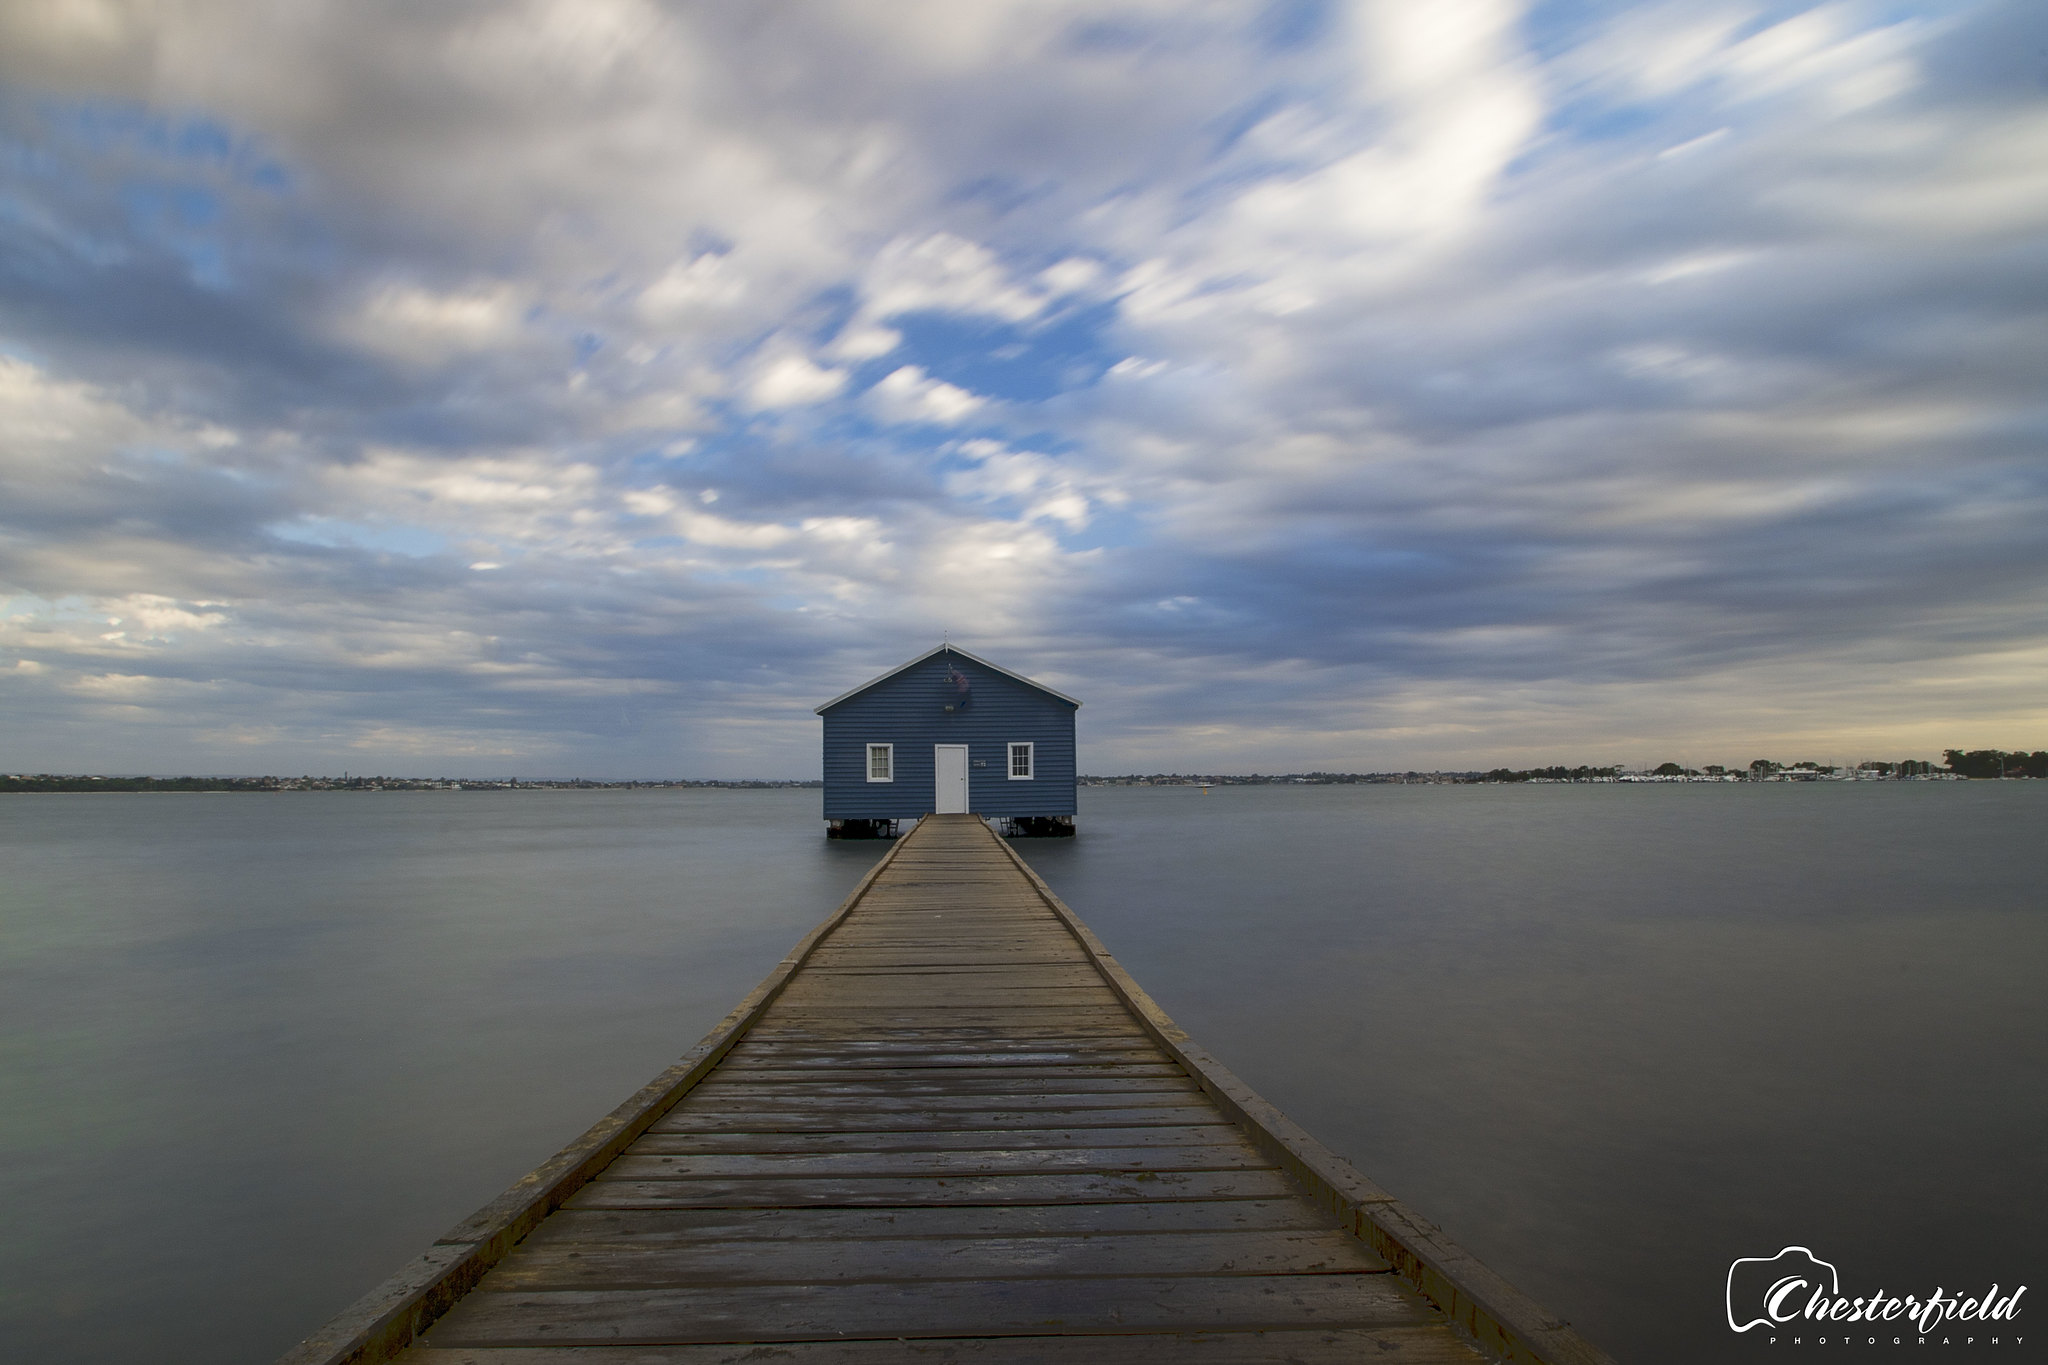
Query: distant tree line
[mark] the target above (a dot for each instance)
(1556, 774)
(47, 782)
(1997, 763)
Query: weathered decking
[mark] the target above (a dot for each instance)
(948, 1128)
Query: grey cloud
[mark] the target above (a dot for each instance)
(1621, 425)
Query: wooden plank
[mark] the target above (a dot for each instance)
(799, 1226)
(1076, 983)
(877, 1191)
(1043, 935)
(940, 1070)
(905, 1066)
(836, 1038)
(979, 975)
(1094, 1025)
(854, 1047)
(920, 1120)
(938, 1140)
(1007, 909)
(936, 1308)
(765, 1048)
(964, 900)
(965, 960)
(804, 1091)
(1426, 1345)
(1027, 1020)
(957, 954)
(1090, 1028)
(1045, 955)
(1037, 1025)
(1049, 938)
(1043, 1063)
(854, 1106)
(1009, 1018)
(1086, 1092)
(632, 1265)
(1021, 1006)
(949, 1071)
(896, 993)
(892, 914)
(909, 1065)
(1219, 1156)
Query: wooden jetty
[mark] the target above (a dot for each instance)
(948, 1127)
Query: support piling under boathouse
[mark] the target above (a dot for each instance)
(947, 1127)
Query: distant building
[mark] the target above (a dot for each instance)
(949, 732)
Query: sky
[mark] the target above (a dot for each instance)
(593, 387)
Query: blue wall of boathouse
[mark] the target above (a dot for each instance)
(908, 708)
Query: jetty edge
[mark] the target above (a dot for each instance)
(984, 1125)
(391, 1316)
(1504, 1321)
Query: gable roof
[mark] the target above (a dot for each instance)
(944, 649)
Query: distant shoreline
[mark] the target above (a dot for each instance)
(1959, 765)
(1461, 779)
(50, 782)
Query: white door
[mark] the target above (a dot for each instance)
(949, 763)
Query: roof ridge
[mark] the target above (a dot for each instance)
(946, 647)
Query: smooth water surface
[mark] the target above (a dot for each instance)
(1613, 1037)
(260, 1049)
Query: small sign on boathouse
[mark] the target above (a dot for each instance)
(949, 733)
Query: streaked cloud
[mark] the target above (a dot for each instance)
(594, 385)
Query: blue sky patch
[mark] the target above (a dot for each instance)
(334, 533)
(1006, 361)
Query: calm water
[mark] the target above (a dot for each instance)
(260, 1049)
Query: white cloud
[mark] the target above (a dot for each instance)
(908, 394)
(430, 487)
(425, 326)
(52, 424)
(1074, 275)
(949, 274)
(151, 617)
(1041, 486)
(117, 687)
(865, 342)
(704, 285)
(785, 378)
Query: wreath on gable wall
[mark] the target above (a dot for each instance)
(963, 691)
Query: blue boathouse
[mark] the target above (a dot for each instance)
(949, 732)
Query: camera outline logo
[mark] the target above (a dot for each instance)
(1808, 1267)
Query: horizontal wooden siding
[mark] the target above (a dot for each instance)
(907, 710)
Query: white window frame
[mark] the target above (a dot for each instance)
(888, 761)
(1030, 749)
